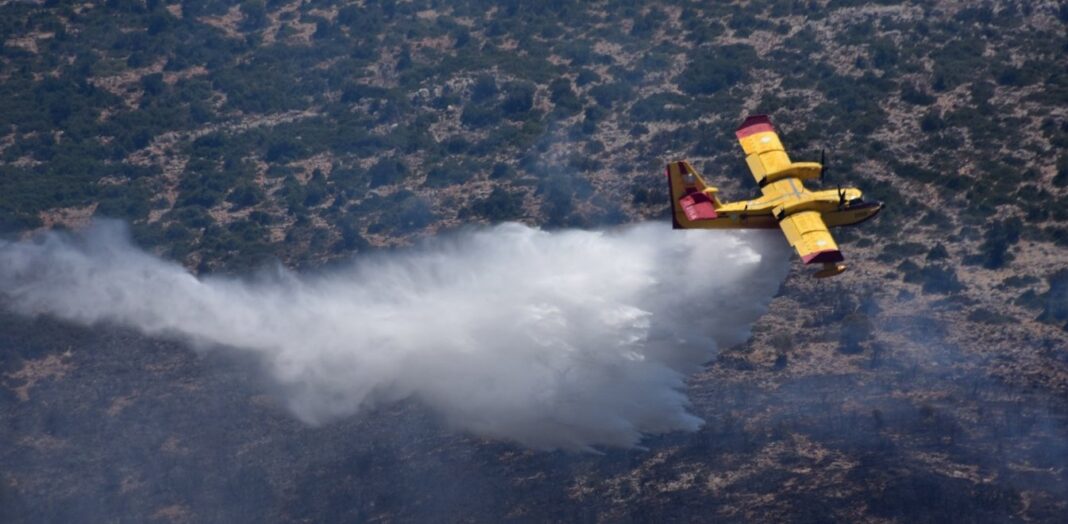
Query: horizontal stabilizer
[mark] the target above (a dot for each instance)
(691, 199)
(698, 206)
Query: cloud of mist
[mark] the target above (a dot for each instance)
(563, 339)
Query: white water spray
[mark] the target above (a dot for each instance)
(563, 339)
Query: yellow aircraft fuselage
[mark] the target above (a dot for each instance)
(803, 215)
(759, 212)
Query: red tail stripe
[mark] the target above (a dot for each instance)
(754, 124)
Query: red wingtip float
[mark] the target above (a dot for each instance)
(804, 216)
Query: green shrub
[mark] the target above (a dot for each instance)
(608, 94)
(245, 194)
(478, 115)
(986, 316)
(563, 97)
(484, 89)
(500, 205)
(660, 107)
(717, 69)
(1000, 236)
(938, 252)
(939, 279)
(387, 171)
(1055, 300)
(586, 77)
(518, 99)
(856, 329)
(450, 173)
(916, 96)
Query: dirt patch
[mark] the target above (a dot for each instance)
(119, 404)
(68, 217)
(126, 84)
(43, 442)
(53, 366)
(324, 162)
(226, 23)
(173, 513)
(172, 77)
(173, 445)
(28, 42)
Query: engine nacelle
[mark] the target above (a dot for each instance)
(800, 170)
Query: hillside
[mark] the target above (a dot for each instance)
(928, 383)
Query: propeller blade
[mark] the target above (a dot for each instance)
(823, 163)
(841, 196)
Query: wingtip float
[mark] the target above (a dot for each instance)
(803, 216)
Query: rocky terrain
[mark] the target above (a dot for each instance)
(928, 383)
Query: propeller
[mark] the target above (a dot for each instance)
(823, 164)
(823, 172)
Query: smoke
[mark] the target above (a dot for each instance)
(564, 339)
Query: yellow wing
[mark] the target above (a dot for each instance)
(763, 149)
(807, 233)
(766, 156)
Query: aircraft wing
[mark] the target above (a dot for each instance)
(807, 233)
(763, 150)
(767, 159)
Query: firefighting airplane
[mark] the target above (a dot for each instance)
(803, 215)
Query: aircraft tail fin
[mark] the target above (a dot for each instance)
(692, 200)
